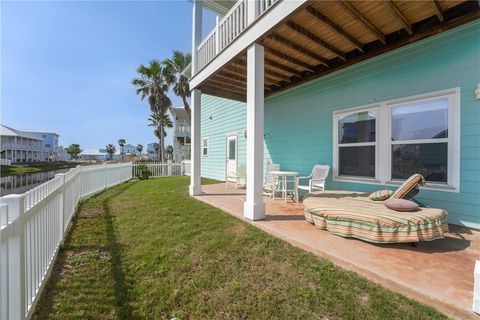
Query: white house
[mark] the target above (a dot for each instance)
(20, 146)
(49, 143)
(181, 134)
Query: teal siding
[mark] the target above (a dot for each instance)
(298, 122)
(221, 117)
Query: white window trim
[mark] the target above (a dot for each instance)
(203, 147)
(384, 144)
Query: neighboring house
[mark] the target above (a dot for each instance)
(50, 143)
(19, 146)
(151, 153)
(130, 151)
(375, 91)
(181, 134)
(97, 155)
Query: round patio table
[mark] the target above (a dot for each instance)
(282, 177)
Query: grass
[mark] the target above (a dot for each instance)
(36, 167)
(146, 250)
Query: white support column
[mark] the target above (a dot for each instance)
(195, 174)
(196, 33)
(254, 207)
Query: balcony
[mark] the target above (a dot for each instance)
(304, 40)
(229, 28)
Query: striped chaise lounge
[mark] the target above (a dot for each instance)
(354, 215)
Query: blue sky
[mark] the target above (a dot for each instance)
(67, 67)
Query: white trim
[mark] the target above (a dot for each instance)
(384, 144)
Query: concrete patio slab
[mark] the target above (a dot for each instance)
(438, 273)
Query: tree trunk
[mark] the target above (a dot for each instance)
(162, 142)
(186, 106)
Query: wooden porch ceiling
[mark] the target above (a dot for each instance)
(324, 36)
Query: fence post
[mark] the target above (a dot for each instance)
(169, 168)
(16, 253)
(62, 206)
(182, 168)
(105, 175)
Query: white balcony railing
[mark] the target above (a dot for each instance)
(229, 28)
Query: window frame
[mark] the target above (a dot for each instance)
(383, 142)
(205, 147)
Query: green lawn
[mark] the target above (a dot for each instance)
(146, 250)
(32, 168)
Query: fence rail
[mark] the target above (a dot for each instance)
(32, 228)
(159, 169)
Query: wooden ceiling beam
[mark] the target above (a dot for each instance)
(287, 58)
(334, 27)
(224, 85)
(299, 48)
(221, 81)
(230, 81)
(232, 70)
(300, 30)
(268, 72)
(219, 92)
(275, 64)
(398, 15)
(438, 10)
(350, 9)
(228, 78)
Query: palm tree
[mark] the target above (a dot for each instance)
(140, 148)
(73, 150)
(160, 122)
(156, 147)
(152, 85)
(169, 151)
(121, 143)
(175, 78)
(110, 148)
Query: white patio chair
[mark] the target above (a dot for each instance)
(316, 178)
(269, 185)
(237, 177)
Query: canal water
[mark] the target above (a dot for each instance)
(15, 184)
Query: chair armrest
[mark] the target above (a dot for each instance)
(304, 177)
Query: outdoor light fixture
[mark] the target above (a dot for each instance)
(477, 92)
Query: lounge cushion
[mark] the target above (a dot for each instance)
(352, 214)
(401, 205)
(409, 188)
(380, 195)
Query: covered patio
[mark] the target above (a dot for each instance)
(439, 273)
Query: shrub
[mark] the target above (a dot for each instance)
(143, 172)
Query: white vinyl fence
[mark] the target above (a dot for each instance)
(159, 169)
(32, 228)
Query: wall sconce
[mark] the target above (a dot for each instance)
(245, 133)
(211, 117)
(477, 92)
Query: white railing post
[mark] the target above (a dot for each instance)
(16, 258)
(217, 35)
(252, 10)
(62, 206)
(196, 33)
(105, 175)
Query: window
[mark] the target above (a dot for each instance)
(205, 146)
(388, 142)
(419, 135)
(356, 142)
